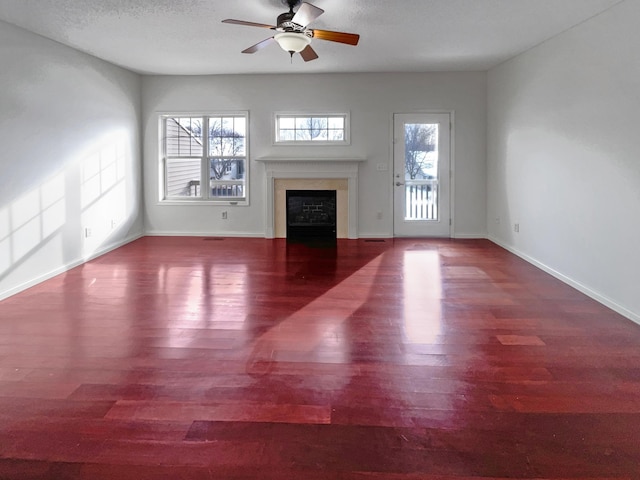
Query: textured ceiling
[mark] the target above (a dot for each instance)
(187, 36)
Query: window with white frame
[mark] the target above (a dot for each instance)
(205, 157)
(312, 128)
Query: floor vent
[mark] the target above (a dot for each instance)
(376, 240)
(213, 239)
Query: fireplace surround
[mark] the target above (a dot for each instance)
(339, 174)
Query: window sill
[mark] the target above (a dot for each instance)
(178, 202)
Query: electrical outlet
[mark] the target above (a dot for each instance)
(516, 227)
(224, 215)
(379, 215)
(114, 224)
(382, 167)
(497, 220)
(87, 232)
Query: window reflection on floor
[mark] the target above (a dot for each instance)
(422, 284)
(317, 331)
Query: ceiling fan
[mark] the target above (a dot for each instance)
(292, 35)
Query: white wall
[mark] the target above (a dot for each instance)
(70, 157)
(371, 100)
(563, 156)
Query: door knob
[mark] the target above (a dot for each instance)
(399, 183)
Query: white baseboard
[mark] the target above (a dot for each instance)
(471, 236)
(67, 267)
(160, 233)
(375, 235)
(604, 300)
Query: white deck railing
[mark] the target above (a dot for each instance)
(227, 188)
(421, 197)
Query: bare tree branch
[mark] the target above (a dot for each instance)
(419, 139)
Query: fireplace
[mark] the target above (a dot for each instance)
(338, 174)
(311, 214)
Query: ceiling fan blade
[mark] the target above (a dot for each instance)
(308, 54)
(341, 37)
(248, 24)
(306, 14)
(259, 45)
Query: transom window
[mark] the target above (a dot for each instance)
(311, 128)
(209, 151)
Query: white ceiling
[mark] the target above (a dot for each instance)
(187, 36)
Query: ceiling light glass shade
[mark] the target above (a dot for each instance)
(292, 42)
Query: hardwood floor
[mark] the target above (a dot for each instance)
(206, 358)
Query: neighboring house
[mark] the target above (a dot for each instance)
(183, 174)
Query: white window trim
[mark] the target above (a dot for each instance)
(162, 164)
(324, 143)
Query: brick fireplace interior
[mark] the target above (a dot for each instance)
(311, 214)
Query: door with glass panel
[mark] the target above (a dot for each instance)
(421, 175)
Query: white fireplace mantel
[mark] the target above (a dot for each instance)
(311, 168)
(268, 160)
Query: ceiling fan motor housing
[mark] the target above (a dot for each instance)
(285, 24)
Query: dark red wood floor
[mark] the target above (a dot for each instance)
(192, 358)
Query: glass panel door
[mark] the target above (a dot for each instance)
(421, 175)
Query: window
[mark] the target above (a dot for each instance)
(209, 150)
(311, 129)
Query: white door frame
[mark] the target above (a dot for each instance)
(451, 189)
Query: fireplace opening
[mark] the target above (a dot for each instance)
(311, 215)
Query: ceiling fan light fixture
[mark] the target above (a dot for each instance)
(292, 41)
